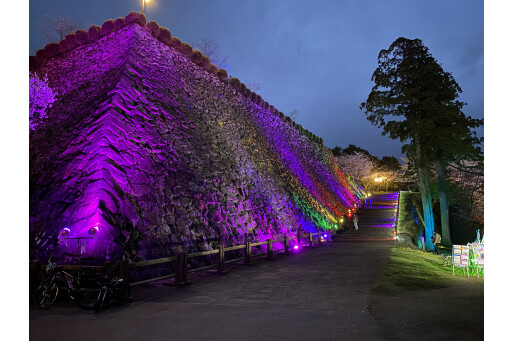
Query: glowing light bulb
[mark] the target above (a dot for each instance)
(296, 247)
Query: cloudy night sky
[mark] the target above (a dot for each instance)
(313, 56)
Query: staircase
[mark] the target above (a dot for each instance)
(376, 223)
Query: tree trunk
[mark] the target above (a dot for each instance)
(426, 196)
(444, 205)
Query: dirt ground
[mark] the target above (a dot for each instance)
(453, 313)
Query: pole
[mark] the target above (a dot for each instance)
(142, 10)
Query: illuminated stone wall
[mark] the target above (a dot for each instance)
(157, 154)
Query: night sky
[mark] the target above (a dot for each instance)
(313, 56)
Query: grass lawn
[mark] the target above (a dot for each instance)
(417, 297)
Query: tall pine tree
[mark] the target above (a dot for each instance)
(415, 100)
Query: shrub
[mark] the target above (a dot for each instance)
(272, 109)
(70, 41)
(212, 68)
(164, 35)
(243, 88)
(107, 27)
(40, 56)
(254, 96)
(258, 100)
(135, 17)
(51, 50)
(175, 43)
(266, 105)
(235, 83)
(205, 61)
(93, 33)
(197, 57)
(222, 74)
(153, 28)
(186, 49)
(82, 37)
(62, 46)
(118, 24)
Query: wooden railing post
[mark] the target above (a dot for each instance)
(181, 269)
(310, 239)
(286, 246)
(220, 268)
(270, 252)
(247, 253)
(298, 238)
(107, 269)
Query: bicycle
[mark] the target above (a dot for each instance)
(48, 290)
(113, 287)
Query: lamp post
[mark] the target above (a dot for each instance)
(143, 2)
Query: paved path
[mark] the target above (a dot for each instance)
(317, 294)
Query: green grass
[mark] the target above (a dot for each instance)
(409, 270)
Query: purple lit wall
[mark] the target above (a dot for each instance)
(144, 154)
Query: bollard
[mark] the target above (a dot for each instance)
(310, 239)
(286, 246)
(247, 253)
(270, 253)
(181, 270)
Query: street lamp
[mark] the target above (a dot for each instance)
(143, 2)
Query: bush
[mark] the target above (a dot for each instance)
(254, 96)
(186, 49)
(118, 24)
(164, 35)
(153, 28)
(175, 43)
(222, 74)
(70, 41)
(107, 27)
(212, 68)
(82, 37)
(93, 33)
(235, 83)
(243, 88)
(272, 109)
(62, 46)
(51, 50)
(266, 105)
(135, 17)
(40, 56)
(197, 56)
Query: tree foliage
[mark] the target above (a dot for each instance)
(41, 97)
(415, 101)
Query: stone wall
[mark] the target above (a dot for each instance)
(150, 150)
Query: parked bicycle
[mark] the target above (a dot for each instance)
(113, 288)
(48, 290)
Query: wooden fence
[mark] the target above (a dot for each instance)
(122, 268)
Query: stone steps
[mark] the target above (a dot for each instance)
(375, 223)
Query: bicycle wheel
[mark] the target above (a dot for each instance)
(46, 293)
(100, 299)
(123, 293)
(85, 297)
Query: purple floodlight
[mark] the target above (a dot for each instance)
(296, 247)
